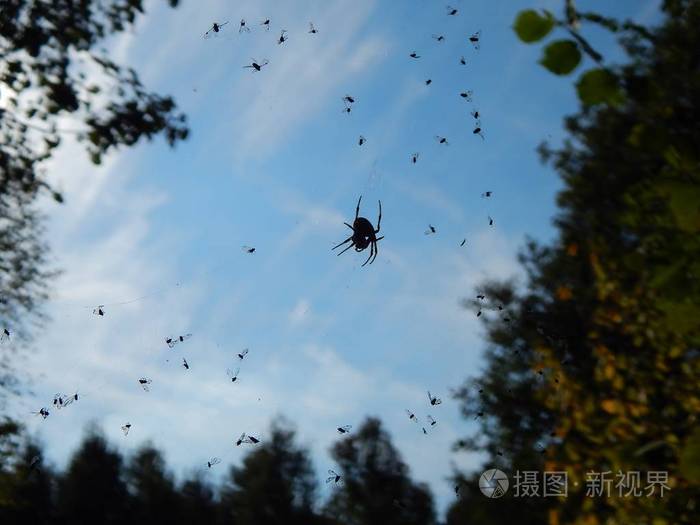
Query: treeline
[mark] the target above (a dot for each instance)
(275, 484)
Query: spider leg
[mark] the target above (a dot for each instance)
(376, 250)
(346, 249)
(357, 210)
(337, 245)
(346, 224)
(371, 252)
(379, 221)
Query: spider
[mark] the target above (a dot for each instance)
(363, 234)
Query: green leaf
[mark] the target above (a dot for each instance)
(531, 26)
(561, 57)
(599, 86)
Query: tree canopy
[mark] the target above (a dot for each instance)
(594, 365)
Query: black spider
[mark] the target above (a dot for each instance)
(363, 234)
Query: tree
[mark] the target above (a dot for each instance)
(153, 498)
(56, 81)
(93, 489)
(197, 503)
(276, 484)
(594, 365)
(376, 487)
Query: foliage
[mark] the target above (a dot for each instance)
(274, 484)
(376, 487)
(57, 81)
(597, 366)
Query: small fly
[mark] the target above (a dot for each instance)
(334, 477)
(434, 400)
(144, 382)
(344, 429)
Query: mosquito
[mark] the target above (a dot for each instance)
(5, 334)
(439, 38)
(215, 28)
(414, 157)
(243, 27)
(248, 249)
(213, 461)
(490, 221)
(334, 477)
(233, 374)
(431, 230)
(43, 412)
(451, 11)
(463, 61)
(144, 382)
(361, 140)
(283, 37)
(424, 431)
(434, 400)
(266, 23)
(414, 55)
(467, 95)
(344, 429)
(255, 66)
(172, 341)
(126, 429)
(312, 29)
(246, 439)
(411, 416)
(474, 39)
(99, 310)
(441, 140)
(243, 354)
(185, 364)
(431, 420)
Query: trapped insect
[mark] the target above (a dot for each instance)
(463, 61)
(126, 428)
(344, 429)
(185, 364)
(242, 354)
(144, 382)
(5, 335)
(266, 24)
(486, 194)
(99, 310)
(451, 11)
(172, 341)
(213, 461)
(464, 241)
(439, 38)
(283, 37)
(247, 439)
(490, 221)
(478, 131)
(475, 40)
(233, 374)
(431, 230)
(411, 416)
(312, 29)
(43, 412)
(361, 140)
(467, 95)
(256, 65)
(434, 400)
(414, 157)
(248, 249)
(428, 82)
(363, 234)
(334, 477)
(215, 28)
(414, 55)
(431, 420)
(243, 27)
(441, 140)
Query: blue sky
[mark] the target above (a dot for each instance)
(274, 163)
